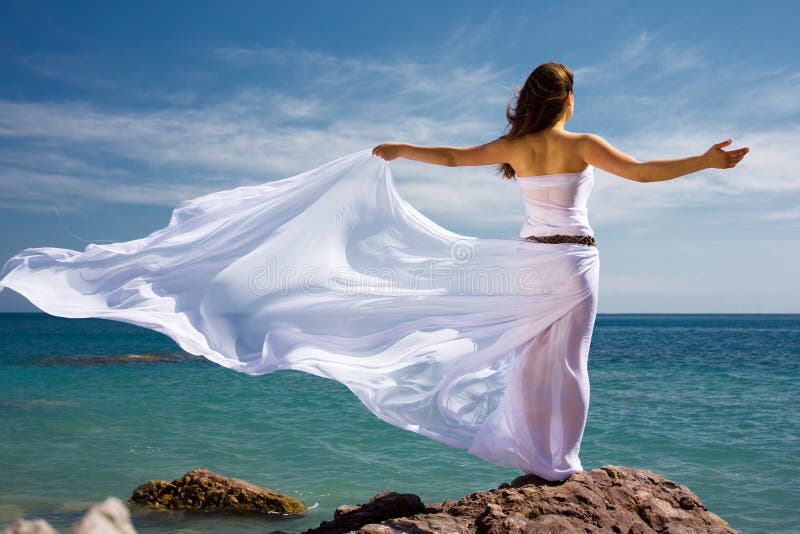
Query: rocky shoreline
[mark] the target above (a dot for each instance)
(606, 499)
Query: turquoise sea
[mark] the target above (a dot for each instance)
(709, 401)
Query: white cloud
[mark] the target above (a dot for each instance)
(257, 135)
(37, 190)
(634, 50)
(791, 214)
(646, 54)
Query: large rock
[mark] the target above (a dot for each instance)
(607, 499)
(205, 491)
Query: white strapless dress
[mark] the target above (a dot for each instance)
(478, 343)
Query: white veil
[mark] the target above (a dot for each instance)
(332, 273)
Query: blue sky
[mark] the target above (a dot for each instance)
(112, 113)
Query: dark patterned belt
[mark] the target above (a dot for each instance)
(580, 239)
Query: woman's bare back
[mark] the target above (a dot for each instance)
(552, 151)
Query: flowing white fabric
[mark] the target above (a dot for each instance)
(478, 343)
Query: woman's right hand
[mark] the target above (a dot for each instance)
(388, 151)
(717, 158)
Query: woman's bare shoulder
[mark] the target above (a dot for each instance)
(587, 143)
(585, 136)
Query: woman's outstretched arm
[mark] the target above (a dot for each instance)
(598, 152)
(452, 156)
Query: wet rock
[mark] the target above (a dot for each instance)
(203, 490)
(383, 506)
(607, 499)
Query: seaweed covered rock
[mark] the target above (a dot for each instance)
(203, 490)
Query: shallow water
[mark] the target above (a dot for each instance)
(92, 408)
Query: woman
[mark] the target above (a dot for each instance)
(478, 343)
(549, 402)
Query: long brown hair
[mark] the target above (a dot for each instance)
(539, 103)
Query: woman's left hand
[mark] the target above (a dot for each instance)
(388, 151)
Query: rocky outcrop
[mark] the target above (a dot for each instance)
(202, 490)
(109, 517)
(607, 499)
